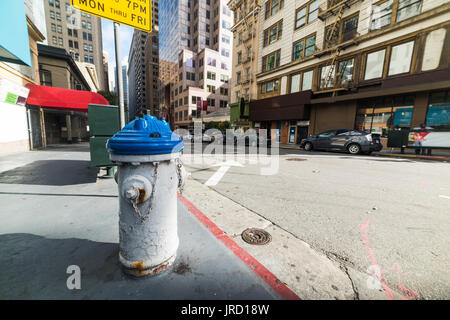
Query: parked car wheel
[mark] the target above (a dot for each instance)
(354, 148)
(308, 146)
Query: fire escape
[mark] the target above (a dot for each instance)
(335, 8)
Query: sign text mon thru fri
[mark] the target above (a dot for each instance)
(135, 13)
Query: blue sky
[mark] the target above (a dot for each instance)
(126, 35)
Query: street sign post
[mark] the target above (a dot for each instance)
(134, 13)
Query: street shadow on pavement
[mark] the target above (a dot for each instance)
(52, 173)
(35, 267)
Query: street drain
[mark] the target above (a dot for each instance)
(256, 236)
(296, 159)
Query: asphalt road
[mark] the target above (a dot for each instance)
(386, 218)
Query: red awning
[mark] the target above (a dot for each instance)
(63, 99)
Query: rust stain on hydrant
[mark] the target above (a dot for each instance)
(139, 265)
(141, 197)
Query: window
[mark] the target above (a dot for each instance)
(54, 40)
(388, 12)
(224, 91)
(226, 39)
(343, 77)
(58, 16)
(211, 75)
(70, 43)
(57, 5)
(271, 61)
(211, 102)
(273, 6)
(344, 31)
(60, 42)
(433, 49)
(86, 58)
(89, 26)
(301, 81)
(304, 47)
(224, 78)
(211, 89)
(374, 64)
(91, 59)
(327, 76)
(407, 9)
(345, 71)
(295, 83)
(52, 14)
(273, 33)
(377, 115)
(53, 27)
(270, 86)
(438, 115)
(45, 77)
(381, 15)
(327, 134)
(307, 80)
(306, 14)
(300, 17)
(223, 103)
(51, 3)
(69, 32)
(400, 60)
(211, 62)
(225, 52)
(59, 28)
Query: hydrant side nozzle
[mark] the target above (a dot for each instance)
(132, 193)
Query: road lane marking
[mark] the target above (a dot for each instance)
(445, 197)
(218, 175)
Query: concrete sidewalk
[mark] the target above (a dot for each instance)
(55, 213)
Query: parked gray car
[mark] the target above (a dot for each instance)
(353, 141)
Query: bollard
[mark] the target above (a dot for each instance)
(149, 172)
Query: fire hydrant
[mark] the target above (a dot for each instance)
(149, 173)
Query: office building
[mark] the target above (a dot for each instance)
(368, 65)
(77, 32)
(196, 48)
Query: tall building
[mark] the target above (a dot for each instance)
(106, 71)
(370, 65)
(245, 53)
(196, 50)
(124, 83)
(77, 32)
(143, 70)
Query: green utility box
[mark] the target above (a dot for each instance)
(398, 138)
(103, 124)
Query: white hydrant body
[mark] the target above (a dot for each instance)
(148, 230)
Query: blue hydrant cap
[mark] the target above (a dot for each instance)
(145, 136)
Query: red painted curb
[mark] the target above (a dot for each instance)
(276, 284)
